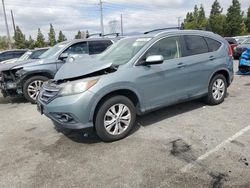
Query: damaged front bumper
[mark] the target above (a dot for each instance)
(10, 84)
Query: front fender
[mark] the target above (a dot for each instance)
(110, 89)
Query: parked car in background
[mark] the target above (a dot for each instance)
(232, 42)
(241, 39)
(11, 54)
(137, 75)
(30, 54)
(27, 77)
(241, 48)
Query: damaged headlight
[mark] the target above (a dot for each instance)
(20, 72)
(75, 87)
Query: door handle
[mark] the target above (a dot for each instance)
(181, 65)
(211, 58)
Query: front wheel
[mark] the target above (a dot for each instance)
(32, 86)
(115, 118)
(217, 90)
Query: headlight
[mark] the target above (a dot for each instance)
(20, 72)
(76, 87)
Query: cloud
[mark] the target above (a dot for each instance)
(71, 16)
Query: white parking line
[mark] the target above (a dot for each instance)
(218, 147)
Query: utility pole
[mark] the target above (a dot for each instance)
(13, 21)
(6, 24)
(101, 12)
(121, 25)
(179, 21)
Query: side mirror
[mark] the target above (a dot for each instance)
(63, 56)
(154, 60)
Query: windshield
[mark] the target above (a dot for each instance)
(25, 56)
(123, 51)
(52, 51)
(247, 41)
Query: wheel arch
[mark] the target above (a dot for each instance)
(37, 73)
(129, 93)
(224, 72)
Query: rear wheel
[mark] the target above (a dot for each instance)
(217, 90)
(32, 86)
(115, 118)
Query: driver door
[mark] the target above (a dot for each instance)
(164, 83)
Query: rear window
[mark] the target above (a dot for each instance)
(213, 45)
(195, 45)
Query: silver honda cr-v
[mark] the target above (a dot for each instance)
(136, 75)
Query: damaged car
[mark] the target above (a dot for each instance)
(244, 62)
(25, 78)
(137, 75)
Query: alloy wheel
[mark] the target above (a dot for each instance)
(218, 89)
(33, 88)
(117, 119)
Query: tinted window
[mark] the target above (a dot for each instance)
(213, 45)
(16, 54)
(78, 48)
(96, 47)
(195, 45)
(169, 48)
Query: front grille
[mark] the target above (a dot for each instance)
(48, 92)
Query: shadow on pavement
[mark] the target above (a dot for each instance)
(169, 112)
(16, 100)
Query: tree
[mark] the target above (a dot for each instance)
(31, 43)
(40, 41)
(201, 20)
(4, 43)
(196, 19)
(217, 21)
(234, 19)
(248, 20)
(87, 34)
(78, 35)
(19, 39)
(61, 37)
(243, 28)
(52, 36)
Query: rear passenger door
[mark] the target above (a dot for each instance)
(199, 62)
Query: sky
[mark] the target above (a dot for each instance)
(73, 15)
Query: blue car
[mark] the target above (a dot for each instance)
(137, 75)
(244, 63)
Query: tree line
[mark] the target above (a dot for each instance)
(233, 23)
(21, 42)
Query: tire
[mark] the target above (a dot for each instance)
(108, 113)
(212, 98)
(30, 84)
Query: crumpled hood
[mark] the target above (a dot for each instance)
(21, 64)
(81, 67)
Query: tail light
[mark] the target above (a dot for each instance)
(230, 51)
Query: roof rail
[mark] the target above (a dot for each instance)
(161, 29)
(100, 35)
(116, 34)
(94, 34)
